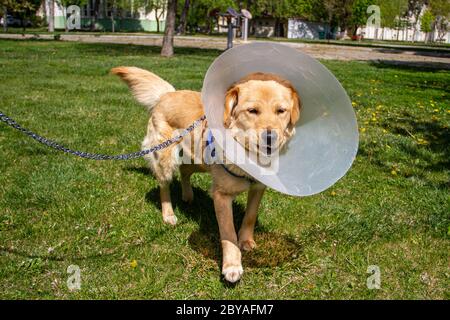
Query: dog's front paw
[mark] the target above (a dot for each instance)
(170, 219)
(247, 245)
(232, 273)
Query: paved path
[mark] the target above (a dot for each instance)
(393, 55)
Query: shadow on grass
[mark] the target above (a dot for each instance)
(425, 53)
(424, 66)
(273, 249)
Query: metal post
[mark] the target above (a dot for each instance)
(230, 33)
(245, 29)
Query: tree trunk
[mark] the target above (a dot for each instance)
(113, 9)
(66, 26)
(5, 18)
(183, 18)
(167, 46)
(95, 15)
(51, 16)
(157, 21)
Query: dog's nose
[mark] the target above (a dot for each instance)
(269, 137)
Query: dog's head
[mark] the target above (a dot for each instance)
(261, 110)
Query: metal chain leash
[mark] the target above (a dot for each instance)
(94, 156)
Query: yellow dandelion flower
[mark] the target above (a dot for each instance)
(394, 173)
(333, 193)
(133, 264)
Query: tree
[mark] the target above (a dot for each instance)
(94, 17)
(426, 23)
(415, 8)
(336, 13)
(281, 9)
(158, 6)
(51, 15)
(113, 10)
(392, 13)
(23, 9)
(441, 10)
(4, 9)
(359, 14)
(167, 46)
(183, 18)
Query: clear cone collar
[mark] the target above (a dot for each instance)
(326, 140)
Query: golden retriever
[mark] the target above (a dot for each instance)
(262, 105)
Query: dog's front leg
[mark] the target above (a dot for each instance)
(246, 240)
(231, 265)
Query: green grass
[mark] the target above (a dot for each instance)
(391, 209)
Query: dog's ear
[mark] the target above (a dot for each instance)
(147, 87)
(231, 101)
(296, 108)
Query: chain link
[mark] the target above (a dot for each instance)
(94, 156)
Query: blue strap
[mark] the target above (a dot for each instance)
(210, 146)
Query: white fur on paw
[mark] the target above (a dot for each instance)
(233, 274)
(172, 219)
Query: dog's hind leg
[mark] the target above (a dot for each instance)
(186, 189)
(163, 170)
(163, 166)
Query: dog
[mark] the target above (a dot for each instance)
(263, 104)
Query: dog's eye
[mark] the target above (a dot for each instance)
(281, 111)
(252, 110)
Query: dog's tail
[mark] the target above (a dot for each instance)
(147, 87)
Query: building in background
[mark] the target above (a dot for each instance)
(301, 29)
(97, 15)
(266, 27)
(411, 33)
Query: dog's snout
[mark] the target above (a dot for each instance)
(269, 136)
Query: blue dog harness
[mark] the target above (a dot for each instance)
(211, 150)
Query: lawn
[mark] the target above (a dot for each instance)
(391, 210)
